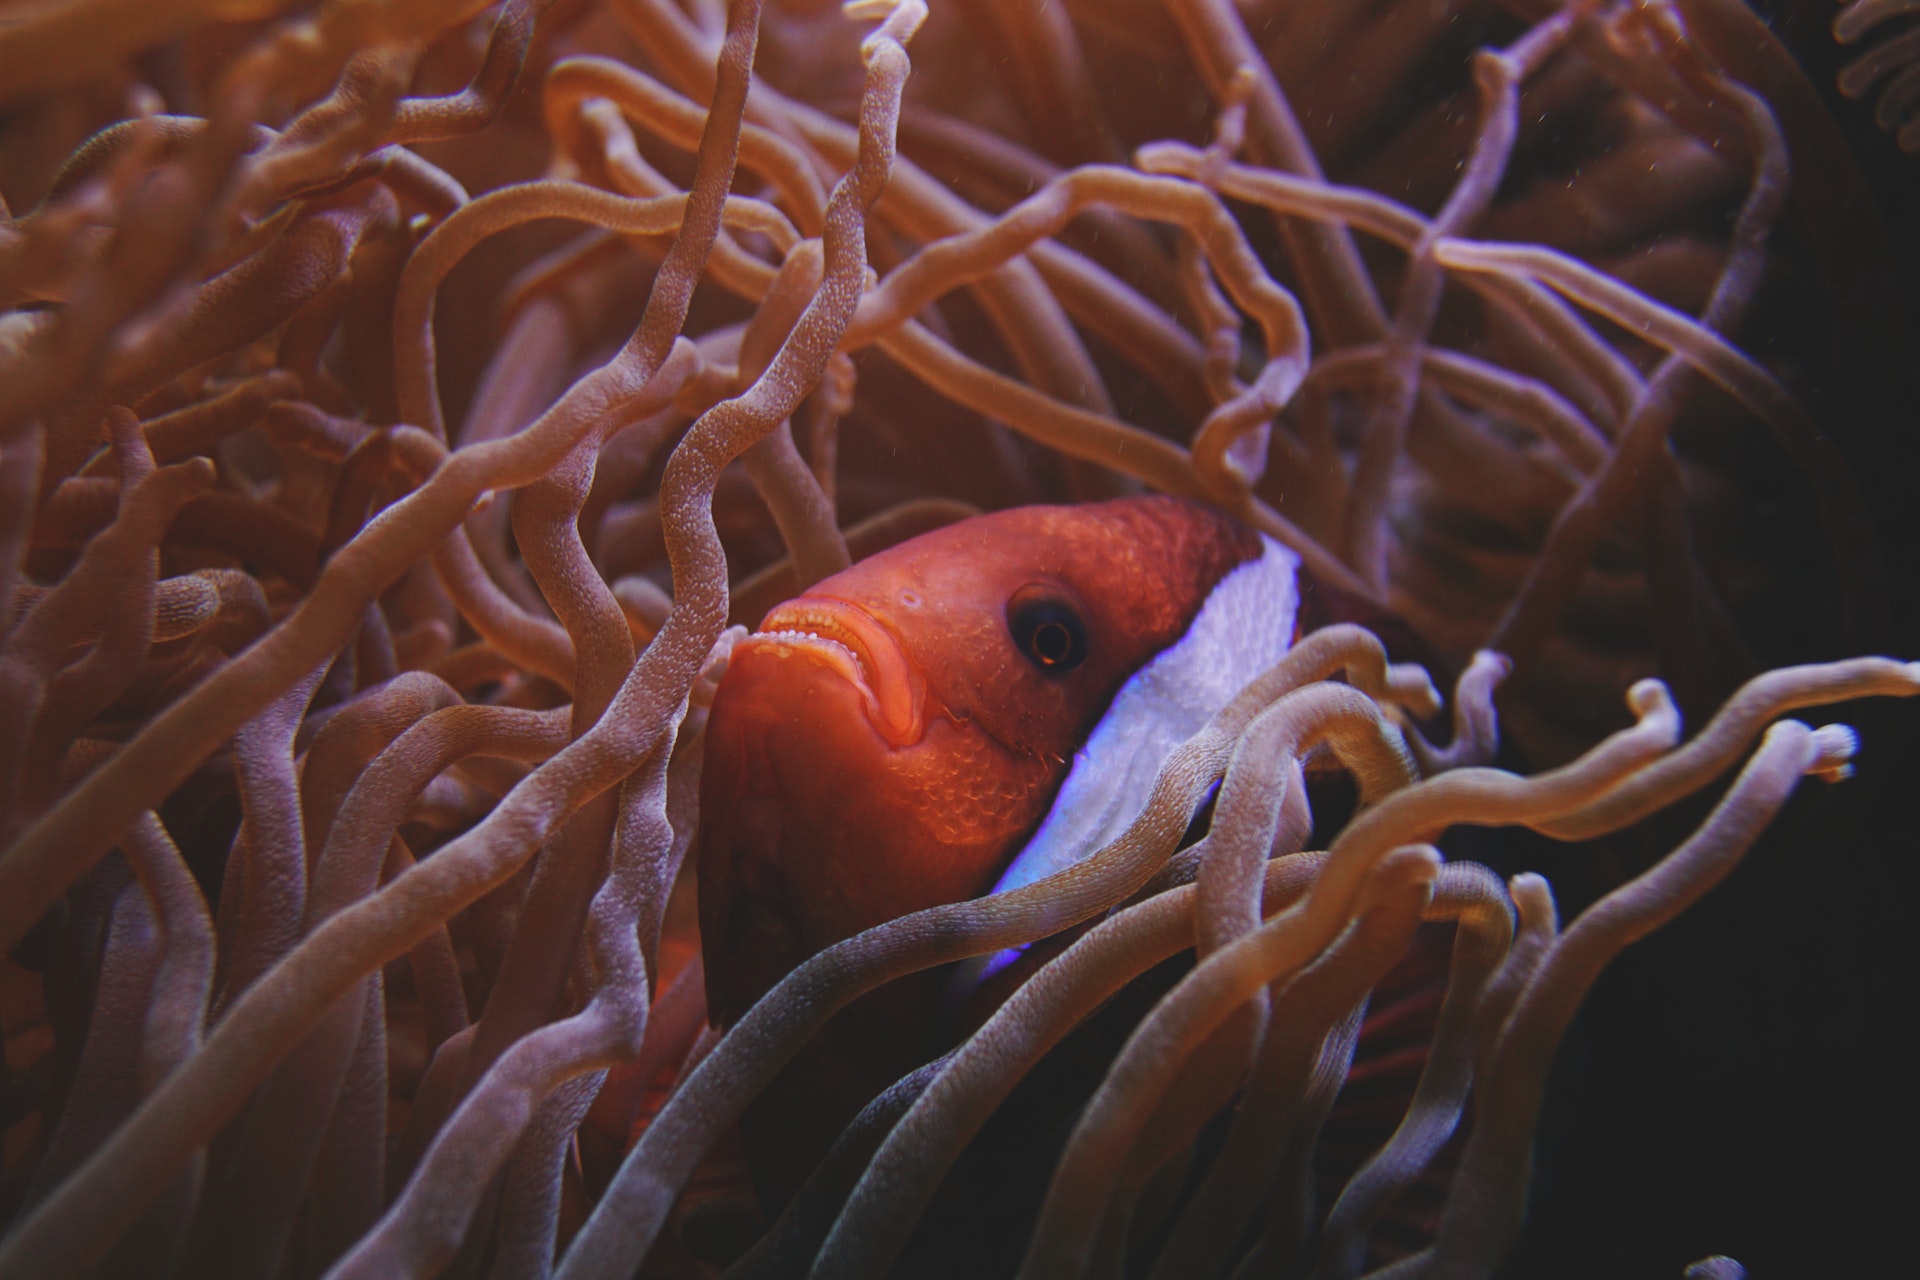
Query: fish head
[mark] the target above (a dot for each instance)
(884, 742)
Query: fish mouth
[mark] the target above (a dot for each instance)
(852, 642)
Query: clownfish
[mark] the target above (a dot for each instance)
(965, 712)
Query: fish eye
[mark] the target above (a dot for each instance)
(1047, 629)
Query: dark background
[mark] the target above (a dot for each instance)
(1742, 1081)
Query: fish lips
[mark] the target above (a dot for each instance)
(862, 650)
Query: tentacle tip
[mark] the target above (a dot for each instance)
(899, 20)
(1526, 882)
(1497, 665)
(1834, 746)
(1532, 897)
(194, 477)
(1415, 688)
(1650, 698)
(1418, 861)
(1158, 157)
(282, 384)
(723, 646)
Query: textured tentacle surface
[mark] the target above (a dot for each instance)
(400, 403)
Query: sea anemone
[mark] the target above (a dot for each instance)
(399, 404)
